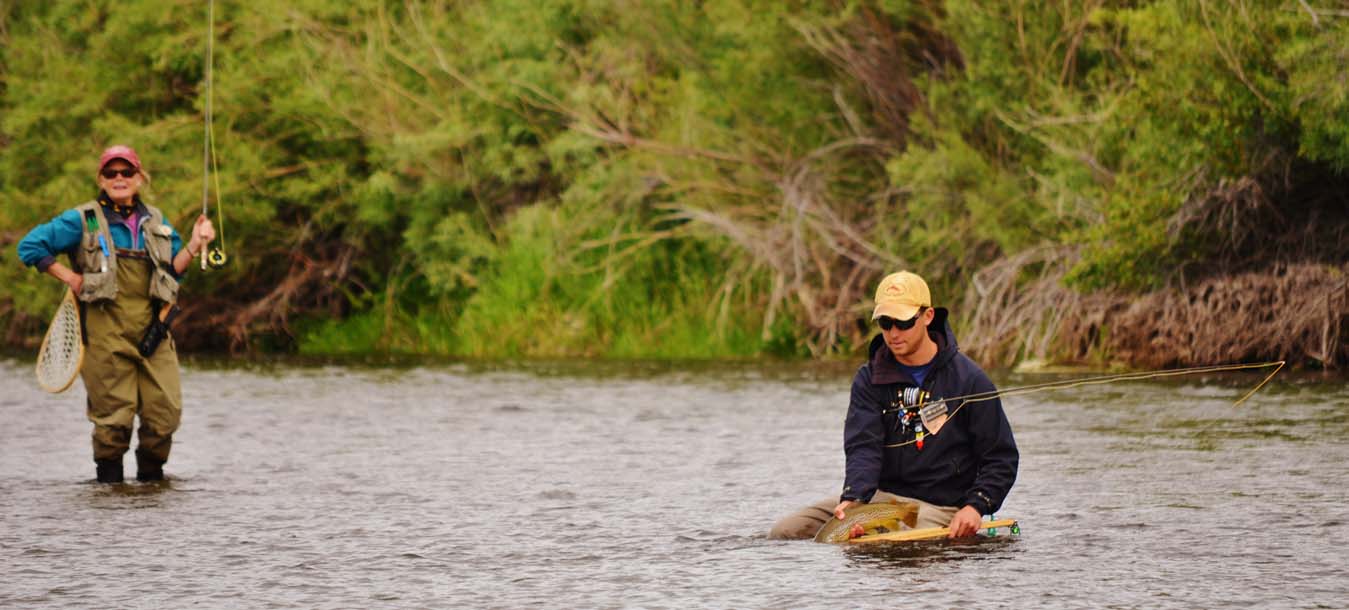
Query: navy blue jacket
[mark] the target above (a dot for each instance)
(971, 461)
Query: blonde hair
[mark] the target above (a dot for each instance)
(146, 193)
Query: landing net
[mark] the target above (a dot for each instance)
(62, 353)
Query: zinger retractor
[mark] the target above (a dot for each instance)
(921, 415)
(907, 402)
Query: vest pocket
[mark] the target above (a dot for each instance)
(163, 286)
(158, 242)
(159, 245)
(98, 284)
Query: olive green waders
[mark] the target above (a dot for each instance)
(121, 384)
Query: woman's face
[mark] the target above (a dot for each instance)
(119, 180)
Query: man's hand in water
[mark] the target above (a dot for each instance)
(844, 505)
(966, 522)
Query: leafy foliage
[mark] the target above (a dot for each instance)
(574, 177)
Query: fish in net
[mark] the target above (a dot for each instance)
(62, 353)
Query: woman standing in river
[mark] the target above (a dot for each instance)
(125, 264)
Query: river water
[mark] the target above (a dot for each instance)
(603, 485)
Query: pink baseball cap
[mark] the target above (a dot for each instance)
(119, 152)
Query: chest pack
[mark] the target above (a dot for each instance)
(96, 257)
(917, 413)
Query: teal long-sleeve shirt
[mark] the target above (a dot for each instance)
(40, 247)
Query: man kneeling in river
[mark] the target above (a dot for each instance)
(892, 447)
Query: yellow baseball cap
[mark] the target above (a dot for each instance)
(901, 295)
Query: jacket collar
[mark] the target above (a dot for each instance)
(886, 370)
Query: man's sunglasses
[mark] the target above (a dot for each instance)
(888, 323)
(112, 173)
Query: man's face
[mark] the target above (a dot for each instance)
(904, 343)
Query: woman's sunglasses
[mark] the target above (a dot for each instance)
(112, 173)
(888, 323)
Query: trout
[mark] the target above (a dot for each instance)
(867, 519)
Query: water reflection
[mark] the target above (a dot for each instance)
(929, 553)
(130, 494)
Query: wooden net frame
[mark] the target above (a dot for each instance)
(62, 353)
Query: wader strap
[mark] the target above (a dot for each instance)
(157, 241)
(136, 254)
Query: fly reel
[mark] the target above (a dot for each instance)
(216, 258)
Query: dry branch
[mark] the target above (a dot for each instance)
(1021, 310)
(1297, 312)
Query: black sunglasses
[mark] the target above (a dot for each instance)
(888, 322)
(112, 173)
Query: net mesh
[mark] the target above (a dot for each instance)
(62, 353)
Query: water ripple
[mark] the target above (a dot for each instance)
(580, 486)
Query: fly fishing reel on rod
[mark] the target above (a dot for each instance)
(216, 258)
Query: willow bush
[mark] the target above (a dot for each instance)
(670, 179)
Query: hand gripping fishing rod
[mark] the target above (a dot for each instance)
(214, 257)
(961, 401)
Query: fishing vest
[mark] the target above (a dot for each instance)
(99, 264)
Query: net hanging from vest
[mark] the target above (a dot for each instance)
(215, 257)
(62, 352)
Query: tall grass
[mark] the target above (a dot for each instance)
(541, 298)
